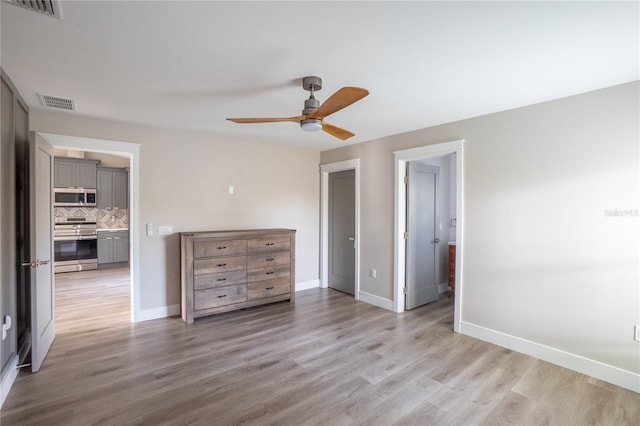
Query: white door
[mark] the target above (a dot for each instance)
(42, 294)
(422, 236)
(342, 228)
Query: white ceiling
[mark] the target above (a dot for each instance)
(189, 65)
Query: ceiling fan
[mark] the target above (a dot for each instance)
(313, 114)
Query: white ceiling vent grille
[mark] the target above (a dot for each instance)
(57, 102)
(46, 7)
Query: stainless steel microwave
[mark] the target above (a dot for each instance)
(74, 197)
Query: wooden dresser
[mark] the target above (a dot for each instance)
(227, 270)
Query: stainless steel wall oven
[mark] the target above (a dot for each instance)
(75, 242)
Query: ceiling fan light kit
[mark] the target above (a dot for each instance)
(313, 114)
(311, 125)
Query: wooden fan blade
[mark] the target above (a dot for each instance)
(341, 99)
(267, 120)
(336, 131)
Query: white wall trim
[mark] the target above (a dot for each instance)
(378, 301)
(590, 367)
(306, 285)
(401, 158)
(325, 169)
(133, 150)
(443, 288)
(8, 378)
(162, 312)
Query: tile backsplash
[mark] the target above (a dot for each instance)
(105, 218)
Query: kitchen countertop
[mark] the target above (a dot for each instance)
(112, 229)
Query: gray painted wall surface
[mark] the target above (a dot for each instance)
(184, 179)
(543, 259)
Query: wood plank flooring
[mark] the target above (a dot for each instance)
(326, 360)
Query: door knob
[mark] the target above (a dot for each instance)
(352, 239)
(31, 264)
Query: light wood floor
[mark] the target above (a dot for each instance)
(325, 360)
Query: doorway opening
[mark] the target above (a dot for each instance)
(442, 232)
(107, 297)
(340, 235)
(92, 271)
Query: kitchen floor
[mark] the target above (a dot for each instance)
(92, 301)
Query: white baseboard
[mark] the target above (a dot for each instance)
(378, 301)
(443, 288)
(8, 378)
(163, 312)
(590, 367)
(306, 285)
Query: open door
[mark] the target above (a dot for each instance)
(41, 264)
(422, 235)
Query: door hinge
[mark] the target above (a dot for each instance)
(404, 290)
(406, 235)
(406, 180)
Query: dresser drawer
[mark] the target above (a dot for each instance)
(268, 273)
(210, 248)
(268, 259)
(270, 288)
(219, 264)
(214, 297)
(275, 243)
(201, 282)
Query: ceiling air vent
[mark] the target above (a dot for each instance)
(57, 102)
(46, 7)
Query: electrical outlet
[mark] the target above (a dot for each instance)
(149, 229)
(373, 273)
(636, 332)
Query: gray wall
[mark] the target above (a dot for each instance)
(183, 182)
(543, 260)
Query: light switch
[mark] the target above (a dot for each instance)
(149, 229)
(232, 190)
(165, 229)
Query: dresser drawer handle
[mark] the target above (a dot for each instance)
(271, 259)
(221, 296)
(269, 244)
(221, 264)
(221, 279)
(222, 247)
(268, 273)
(269, 288)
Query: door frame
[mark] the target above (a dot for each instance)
(133, 150)
(400, 256)
(325, 169)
